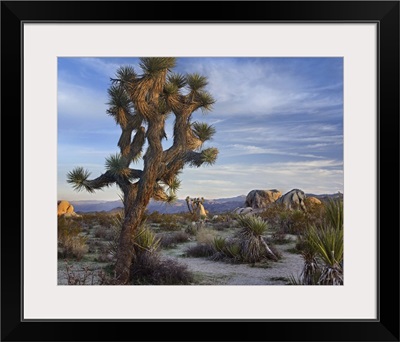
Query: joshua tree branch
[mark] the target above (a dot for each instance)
(207, 156)
(104, 180)
(181, 131)
(136, 146)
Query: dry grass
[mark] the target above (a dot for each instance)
(71, 242)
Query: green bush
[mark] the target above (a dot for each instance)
(295, 222)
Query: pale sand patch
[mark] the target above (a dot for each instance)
(222, 273)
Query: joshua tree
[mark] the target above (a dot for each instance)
(140, 105)
(193, 203)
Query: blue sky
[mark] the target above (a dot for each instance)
(278, 121)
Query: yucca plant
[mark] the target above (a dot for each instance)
(311, 270)
(327, 242)
(252, 244)
(226, 249)
(232, 250)
(219, 244)
(334, 213)
(293, 280)
(144, 240)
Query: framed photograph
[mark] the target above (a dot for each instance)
(301, 101)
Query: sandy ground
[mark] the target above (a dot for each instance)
(208, 272)
(222, 273)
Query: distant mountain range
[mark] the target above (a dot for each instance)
(214, 206)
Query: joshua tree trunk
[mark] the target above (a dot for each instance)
(137, 101)
(125, 253)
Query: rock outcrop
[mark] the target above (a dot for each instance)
(64, 208)
(312, 201)
(294, 199)
(258, 199)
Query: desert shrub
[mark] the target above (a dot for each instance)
(184, 218)
(221, 226)
(222, 221)
(280, 238)
(200, 250)
(295, 222)
(151, 269)
(104, 254)
(71, 242)
(78, 277)
(170, 226)
(281, 219)
(169, 222)
(206, 235)
(105, 233)
(272, 215)
(221, 218)
(191, 229)
(168, 240)
(88, 219)
(315, 214)
(93, 245)
(154, 217)
(301, 244)
(104, 219)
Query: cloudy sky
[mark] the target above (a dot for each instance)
(279, 124)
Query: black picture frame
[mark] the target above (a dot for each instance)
(384, 13)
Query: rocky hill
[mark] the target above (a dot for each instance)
(214, 206)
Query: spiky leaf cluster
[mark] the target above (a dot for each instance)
(327, 243)
(203, 131)
(154, 65)
(116, 164)
(78, 177)
(251, 225)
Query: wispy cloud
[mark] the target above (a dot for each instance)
(313, 176)
(80, 101)
(238, 150)
(254, 87)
